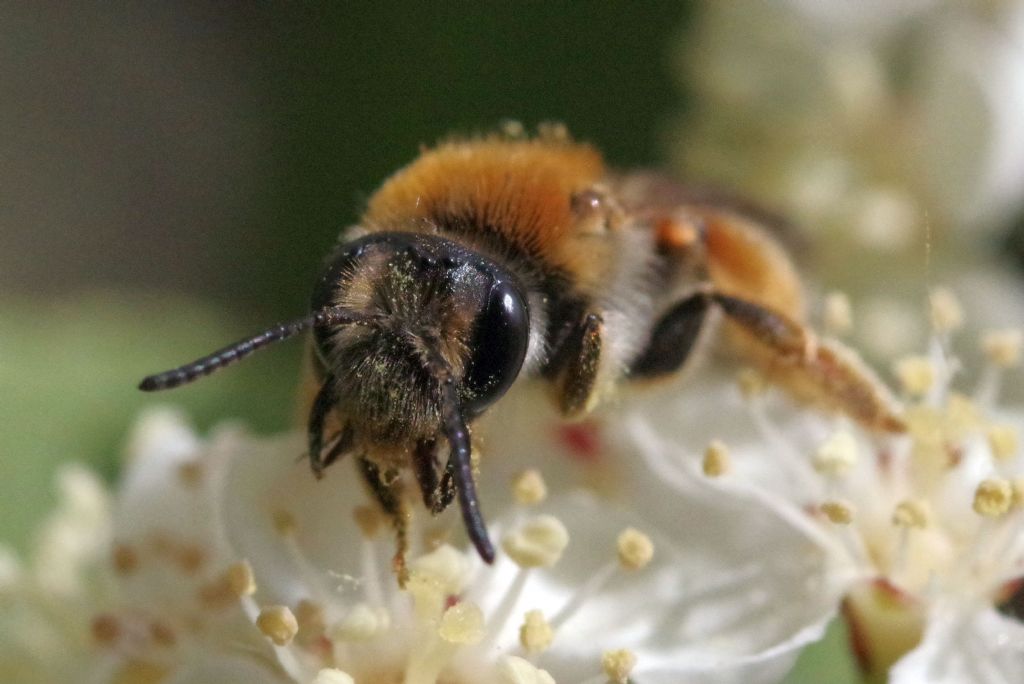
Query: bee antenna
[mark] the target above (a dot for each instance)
(239, 350)
(453, 426)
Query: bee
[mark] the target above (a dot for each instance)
(503, 257)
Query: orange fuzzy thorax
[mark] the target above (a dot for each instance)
(518, 188)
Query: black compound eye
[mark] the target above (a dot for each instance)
(500, 338)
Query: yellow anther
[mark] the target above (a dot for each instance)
(837, 454)
(993, 497)
(838, 314)
(333, 676)
(106, 629)
(751, 383)
(912, 513)
(190, 473)
(528, 488)
(226, 588)
(540, 542)
(311, 618)
(635, 549)
(362, 622)
(1017, 487)
(162, 633)
(284, 522)
(947, 314)
(125, 559)
(618, 664)
(716, 459)
(278, 624)
(462, 623)
(961, 411)
(445, 565)
(838, 512)
(1002, 441)
(240, 579)
(535, 634)
(1003, 347)
(514, 670)
(370, 519)
(189, 557)
(427, 594)
(916, 374)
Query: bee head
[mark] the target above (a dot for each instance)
(431, 312)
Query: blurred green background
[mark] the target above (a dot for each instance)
(178, 173)
(173, 174)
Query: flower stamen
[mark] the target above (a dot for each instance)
(528, 488)
(278, 624)
(716, 459)
(916, 375)
(993, 498)
(333, 676)
(837, 455)
(618, 664)
(535, 634)
(1002, 441)
(635, 549)
(838, 512)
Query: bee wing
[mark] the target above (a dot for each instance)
(659, 193)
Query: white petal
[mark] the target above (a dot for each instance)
(270, 487)
(76, 535)
(720, 592)
(515, 670)
(982, 647)
(166, 513)
(225, 669)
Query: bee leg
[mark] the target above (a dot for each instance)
(322, 405)
(386, 488)
(341, 444)
(576, 366)
(437, 494)
(818, 371)
(673, 339)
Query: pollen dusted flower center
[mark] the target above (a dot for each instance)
(933, 514)
(432, 630)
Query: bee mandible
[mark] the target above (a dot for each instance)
(494, 258)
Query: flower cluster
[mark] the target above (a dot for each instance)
(921, 537)
(698, 534)
(887, 131)
(225, 560)
(861, 117)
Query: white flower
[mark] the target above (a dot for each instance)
(878, 115)
(568, 601)
(46, 604)
(919, 538)
(225, 560)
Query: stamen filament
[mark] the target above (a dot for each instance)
(589, 588)
(371, 573)
(503, 611)
(986, 394)
(783, 449)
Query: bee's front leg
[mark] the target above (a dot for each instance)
(386, 488)
(576, 366)
(438, 493)
(322, 406)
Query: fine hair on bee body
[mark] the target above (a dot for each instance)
(498, 257)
